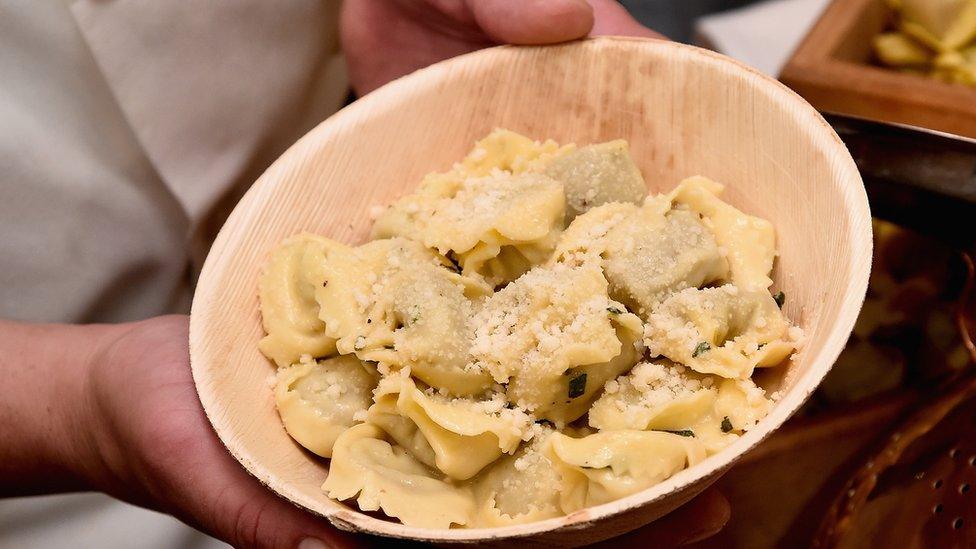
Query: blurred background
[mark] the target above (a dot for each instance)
(676, 18)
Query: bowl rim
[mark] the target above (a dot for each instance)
(351, 519)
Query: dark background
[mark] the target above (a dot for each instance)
(676, 18)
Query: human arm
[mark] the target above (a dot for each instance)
(113, 408)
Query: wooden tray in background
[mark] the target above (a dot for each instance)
(832, 69)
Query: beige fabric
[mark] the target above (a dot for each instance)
(88, 229)
(215, 90)
(127, 130)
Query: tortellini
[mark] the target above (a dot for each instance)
(610, 465)
(317, 401)
(396, 303)
(585, 239)
(934, 37)
(541, 334)
(520, 488)
(508, 151)
(458, 436)
(749, 242)
(646, 252)
(654, 395)
(493, 213)
(598, 174)
(379, 475)
(528, 334)
(669, 397)
(648, 260)
(724, 331)
(289, 311)
(581, 385)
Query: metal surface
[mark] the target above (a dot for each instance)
(918, 178)
(917, 490)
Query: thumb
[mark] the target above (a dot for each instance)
(250, 516)
(532, 21)
(215, 494)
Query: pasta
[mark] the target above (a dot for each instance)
(289, 311)
(519, 488)
(396, 303)
(654, 395)
(318, 400)
(647, 260)
(724, 330)
(931, 37)
(609, 465)
(527, 334)
(546, 329)
(749, 242)
(382, 476)
(666, 396)
(598, 174)
(646, 252)
(493, 212)
(458, 436)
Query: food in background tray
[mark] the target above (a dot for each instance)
(932, 37)
(905, 333)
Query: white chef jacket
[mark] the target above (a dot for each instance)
(128, 129)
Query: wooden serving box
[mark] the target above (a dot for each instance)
(833, 69)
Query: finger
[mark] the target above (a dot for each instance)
(532, 21)
(610, 18)
(700, 518)
(235, 507)
(210, 490)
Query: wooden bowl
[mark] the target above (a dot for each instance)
(684, 110)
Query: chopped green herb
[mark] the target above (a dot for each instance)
(614, 311)
(726, 424)
(683, 433)
(577, 386)
(325, 284)
(702, 347)
(454, 260)
(761, 345)
(780, 299)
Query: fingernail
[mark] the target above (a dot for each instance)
(312, 543)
